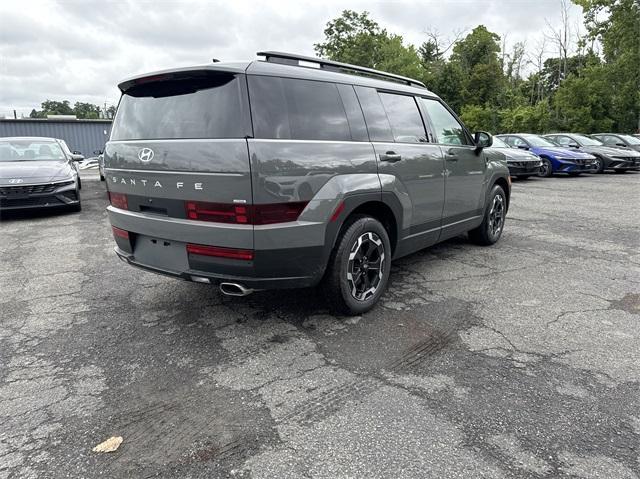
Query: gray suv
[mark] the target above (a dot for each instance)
(293, 171)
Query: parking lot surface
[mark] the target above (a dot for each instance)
(518, 360)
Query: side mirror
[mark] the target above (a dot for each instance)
(483, 140)
(621, 144)
(574, 145)
(97, 152)
(77, 157)
(523, 147)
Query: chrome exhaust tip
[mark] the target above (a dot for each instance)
(234, 289)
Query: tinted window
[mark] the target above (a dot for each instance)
(205, 107)
(374, 114)
(447, 129)
(287, 108)
(561, 140)
(405, 119)
(515, 141)
(354, 113)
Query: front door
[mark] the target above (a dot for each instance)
(465, 169)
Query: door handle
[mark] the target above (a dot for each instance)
(390, 156)
(450, 157)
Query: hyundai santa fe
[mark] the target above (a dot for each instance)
(293, 171)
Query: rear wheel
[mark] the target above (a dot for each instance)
(490, 229)
(358, 270)
(546, 169)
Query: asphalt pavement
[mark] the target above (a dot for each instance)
(518, 360)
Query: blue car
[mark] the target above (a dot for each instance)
(555, 159)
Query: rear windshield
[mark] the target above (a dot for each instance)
(206, 107)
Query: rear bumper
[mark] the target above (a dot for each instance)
(290, 255)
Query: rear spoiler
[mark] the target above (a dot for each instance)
(181, 73)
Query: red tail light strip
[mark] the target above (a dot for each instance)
(118, 233)
(119, 200)
(245, 214)
(220, 252)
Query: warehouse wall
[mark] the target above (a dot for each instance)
(85, 136)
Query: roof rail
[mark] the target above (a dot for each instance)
(293, 59)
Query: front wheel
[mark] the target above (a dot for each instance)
(490, 229)
(546, 168)
(359, 267)
(597, 165)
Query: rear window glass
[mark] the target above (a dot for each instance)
(205, 107)
(286, 108)
(374, 114)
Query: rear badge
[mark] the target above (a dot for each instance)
(146, 155)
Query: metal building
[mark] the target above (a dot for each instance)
(85, 136)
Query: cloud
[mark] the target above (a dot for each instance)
(80, 50)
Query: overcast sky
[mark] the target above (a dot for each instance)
(79, 50)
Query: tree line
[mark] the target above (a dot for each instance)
(581, 83)
(79, 109)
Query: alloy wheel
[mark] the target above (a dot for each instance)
(366, 266)
(496, 216)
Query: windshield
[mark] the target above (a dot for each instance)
(535, 140)
(587, 141)
(30, 150)
(632, 140)
(498, 143)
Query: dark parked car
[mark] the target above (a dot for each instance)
(554, 159)
(324, 177)
(618, 140)
(606, 157)
(522, 164)
(38, 173)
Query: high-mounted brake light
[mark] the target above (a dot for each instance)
(245, 214)
(220, 252)
(119, 200)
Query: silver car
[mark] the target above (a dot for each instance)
(38, 173)
(292, 171)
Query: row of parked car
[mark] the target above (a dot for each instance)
(570, 153)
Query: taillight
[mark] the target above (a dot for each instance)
(119, 200)
(244, 214)
(220, 252)
(119, 233)
(218, 212)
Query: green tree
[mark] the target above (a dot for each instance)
(86, 110)
(355, 38)
(52, 107)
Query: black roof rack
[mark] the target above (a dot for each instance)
(293, 59)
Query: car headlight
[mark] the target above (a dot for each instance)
(64, 182)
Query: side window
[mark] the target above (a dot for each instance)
(447, 129)
(354, 113)
(374, 114)
(609, 140)
(507, 139)
(562, 140)
(405, 119)
(517, 142)
(286, 108)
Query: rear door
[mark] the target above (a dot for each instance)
(398, 134)
(179, 141)
(465, 168)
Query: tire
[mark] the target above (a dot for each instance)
(546, 168)
(346, 292)
(598, 165)
(489, 232)
(102, 177)
(79, 184)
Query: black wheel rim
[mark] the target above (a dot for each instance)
(366, 266)
(496, 216)
(596, 165)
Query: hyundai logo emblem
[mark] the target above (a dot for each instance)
(145, 155)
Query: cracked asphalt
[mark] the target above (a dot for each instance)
(519, 360)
